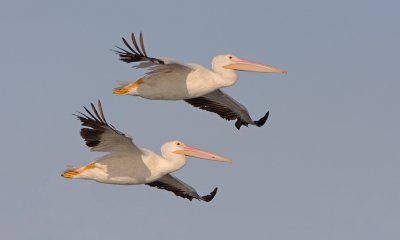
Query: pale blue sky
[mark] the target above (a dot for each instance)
(325, 166)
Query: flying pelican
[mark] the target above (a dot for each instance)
(193, 83)
(127, 164)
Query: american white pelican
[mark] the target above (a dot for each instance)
(127, 164)
(193, 83)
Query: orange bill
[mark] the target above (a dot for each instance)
(244, 65)
(195, 152)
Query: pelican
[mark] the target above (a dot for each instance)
(170, 80)
(127, 164)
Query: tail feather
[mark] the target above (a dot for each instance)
(74, 171)
(126, 88)
(71, 171)
(69, 174)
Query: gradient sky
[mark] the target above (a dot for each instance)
(325, 166)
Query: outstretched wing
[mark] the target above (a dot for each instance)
(181, 189)
(157, 66)
(136, 55)
(228, 108)
(102, 137)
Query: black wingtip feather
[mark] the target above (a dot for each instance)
(94, 118)
(210, 196)
(262, 120)
(136, 45)
(258, 123)
(225, 112)
(92, 137)
(128, 46)
(94, 125)
(137, 53)
(142, 44)
(238, 123)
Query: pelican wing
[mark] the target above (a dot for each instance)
(102, 137)
(137, 54)
(225, 106)
(181, 189)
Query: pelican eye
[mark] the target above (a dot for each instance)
(178, 143)
(230, 57)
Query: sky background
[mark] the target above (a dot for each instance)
(325, 166)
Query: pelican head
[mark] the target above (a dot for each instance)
(229, 61)
(178, 148)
